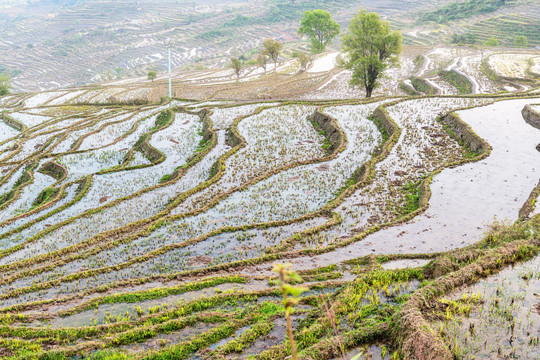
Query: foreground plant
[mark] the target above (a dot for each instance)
(331, 315)
(286, 276)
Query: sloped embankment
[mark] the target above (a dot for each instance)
(531, 117)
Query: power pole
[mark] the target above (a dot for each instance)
(170, 77)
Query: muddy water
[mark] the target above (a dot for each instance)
(467, 198)
(404, 264)
(168, 339)
(505, 323)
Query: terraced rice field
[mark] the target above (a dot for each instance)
(149, 231)
(504, 27)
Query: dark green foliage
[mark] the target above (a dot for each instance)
(468, 38)
(215, 34)
(492, 41)
(461, 10)
(521, 41)
(165, 178)
(45, 196)
(272, 48)
(162, 119)
(319, 27)
(303, 58)
(423, 86)
(25, 177)
(408, 89)
(236, 65)
(204, 142)
(412, 195)
(5, 84)
(463, 84)
(152, 75)
(282, 10)
(350, 182)
(239, 20)
(418, 62)
(7, 196)
(327, 144)
(214, 170)
(372, 47)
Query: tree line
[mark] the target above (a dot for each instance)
(519, 41)
(370, 45)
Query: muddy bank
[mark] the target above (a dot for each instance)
(150, 152)
(54, 170)
(17, 125)
(461, 82)
(531, 117)
(424, 86)
(464, 134)
(329, 126)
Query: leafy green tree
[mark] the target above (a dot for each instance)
(5, 84)
(303, 58)
(371, 47)
(272, 48)
(521, 41)
(464, 39)
(236, 65)
(152, 75)
(319, 28)
(262, 61)
(492, 41)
